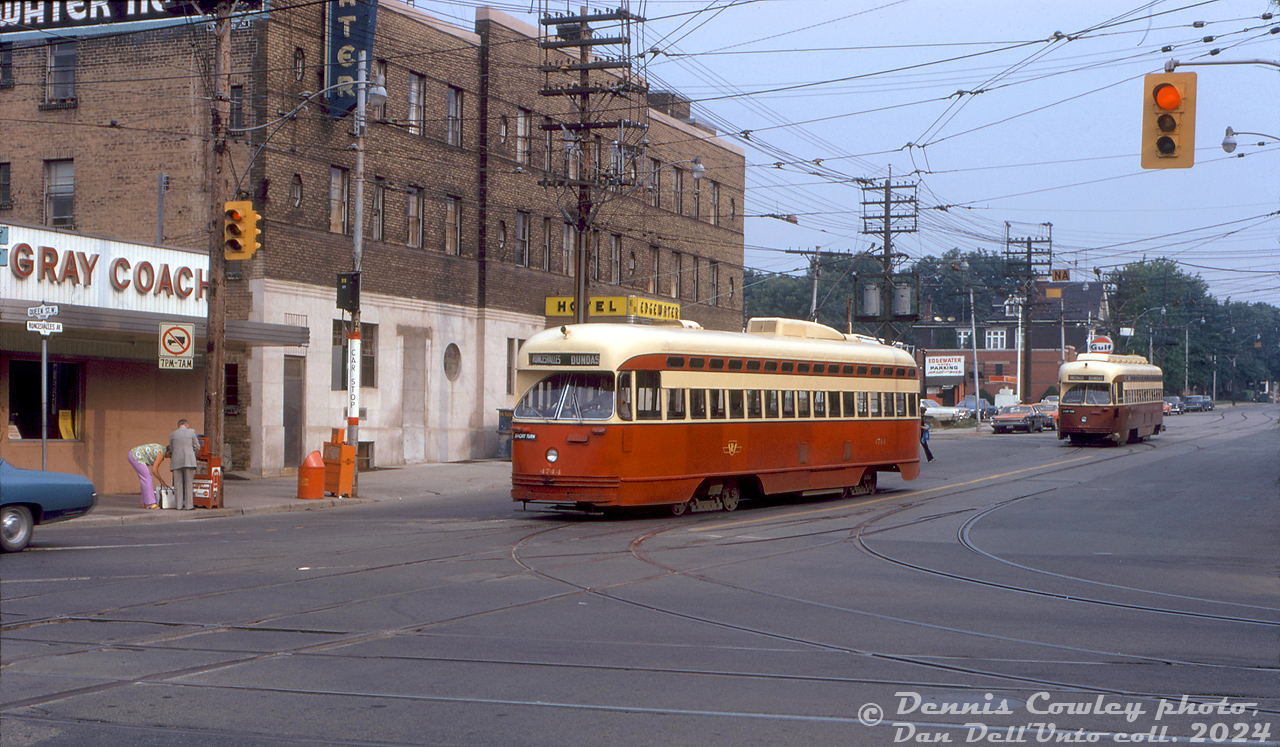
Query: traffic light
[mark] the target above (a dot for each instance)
(1169, 121)
(239, 230)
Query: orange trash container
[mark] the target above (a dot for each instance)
(311, 477)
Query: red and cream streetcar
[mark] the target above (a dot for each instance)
(619, 415)
(1110, 398)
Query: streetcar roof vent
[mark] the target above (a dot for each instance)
(791, 328)
(1131, 360)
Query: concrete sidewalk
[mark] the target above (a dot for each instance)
(278, 494)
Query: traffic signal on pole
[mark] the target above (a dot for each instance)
(239, 230)
(1169, 121)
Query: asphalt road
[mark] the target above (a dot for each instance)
(1022, 591)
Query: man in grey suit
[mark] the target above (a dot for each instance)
(182, 462)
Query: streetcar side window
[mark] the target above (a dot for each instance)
(737, 409)
(755, 404)
(819, 404)
(624, 395)
(802, 404)
(874, 398)
(788, 404)
(833, 404)
(888, 404)
(862, 405)
(648, 398)
(848, 398)
(902, 404)
(771, 403)
(698, 404)
(675, 404)
(914, 399)
(715, 402)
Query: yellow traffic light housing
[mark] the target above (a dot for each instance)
(239, 230)
(1169, 121)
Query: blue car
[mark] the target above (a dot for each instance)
(29, 497)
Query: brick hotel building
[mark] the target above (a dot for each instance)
(105, 160)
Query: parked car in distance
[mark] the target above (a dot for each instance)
(1197, 403)
(1174, 405)
(1050, 411)
(1050, 400)
(982, 407)
(29, 497)
(939, 413)
(1018, 418)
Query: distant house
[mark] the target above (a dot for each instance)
(1062, 318)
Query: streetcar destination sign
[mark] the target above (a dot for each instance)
(564, 359)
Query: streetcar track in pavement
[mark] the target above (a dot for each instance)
(330, 647)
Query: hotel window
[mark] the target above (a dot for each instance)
(60, 73)
(295, 190)
(715, 283)
(6, 64)
(615, 258)
(379, 73)
(368, 358)
(677, 190)
(522, 239)
(452, 225)
(655, 182)
(453, 125)
(546, 245)
(697, 279)
(414, 214)
(651, 285)
(524, 124)
(236, 121)
(59, 193)
(995, 339)
(713, 207)
(6, 197)
(567, 235)
(339, 183)
(64, 416)
(677, 281)
(377, 221)
(962, 338)
(549, 144)
(299, 63)
(417, 102)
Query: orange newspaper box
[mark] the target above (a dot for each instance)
(311, 477)
(339, 465)
(206, 488)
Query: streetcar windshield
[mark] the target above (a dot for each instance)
(569, 396)
(1087, 394)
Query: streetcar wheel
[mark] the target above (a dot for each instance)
(678, 509)
(730, 495)
(15, 532)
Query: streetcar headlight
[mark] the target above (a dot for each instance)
(1084, 419)
(552, 455)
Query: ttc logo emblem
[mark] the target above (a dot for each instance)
(733, 448)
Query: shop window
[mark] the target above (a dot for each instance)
(65, 404)
(368, 357)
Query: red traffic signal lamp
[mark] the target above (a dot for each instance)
(1169, 121)
(239, 230)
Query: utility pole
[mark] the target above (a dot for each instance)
(587, 180)
(219, 184)
(1027, 258)
(888, 209)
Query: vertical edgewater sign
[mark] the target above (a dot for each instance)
(349, 31)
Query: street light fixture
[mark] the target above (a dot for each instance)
(1229, 142)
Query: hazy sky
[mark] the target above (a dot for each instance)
(1025, 112)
